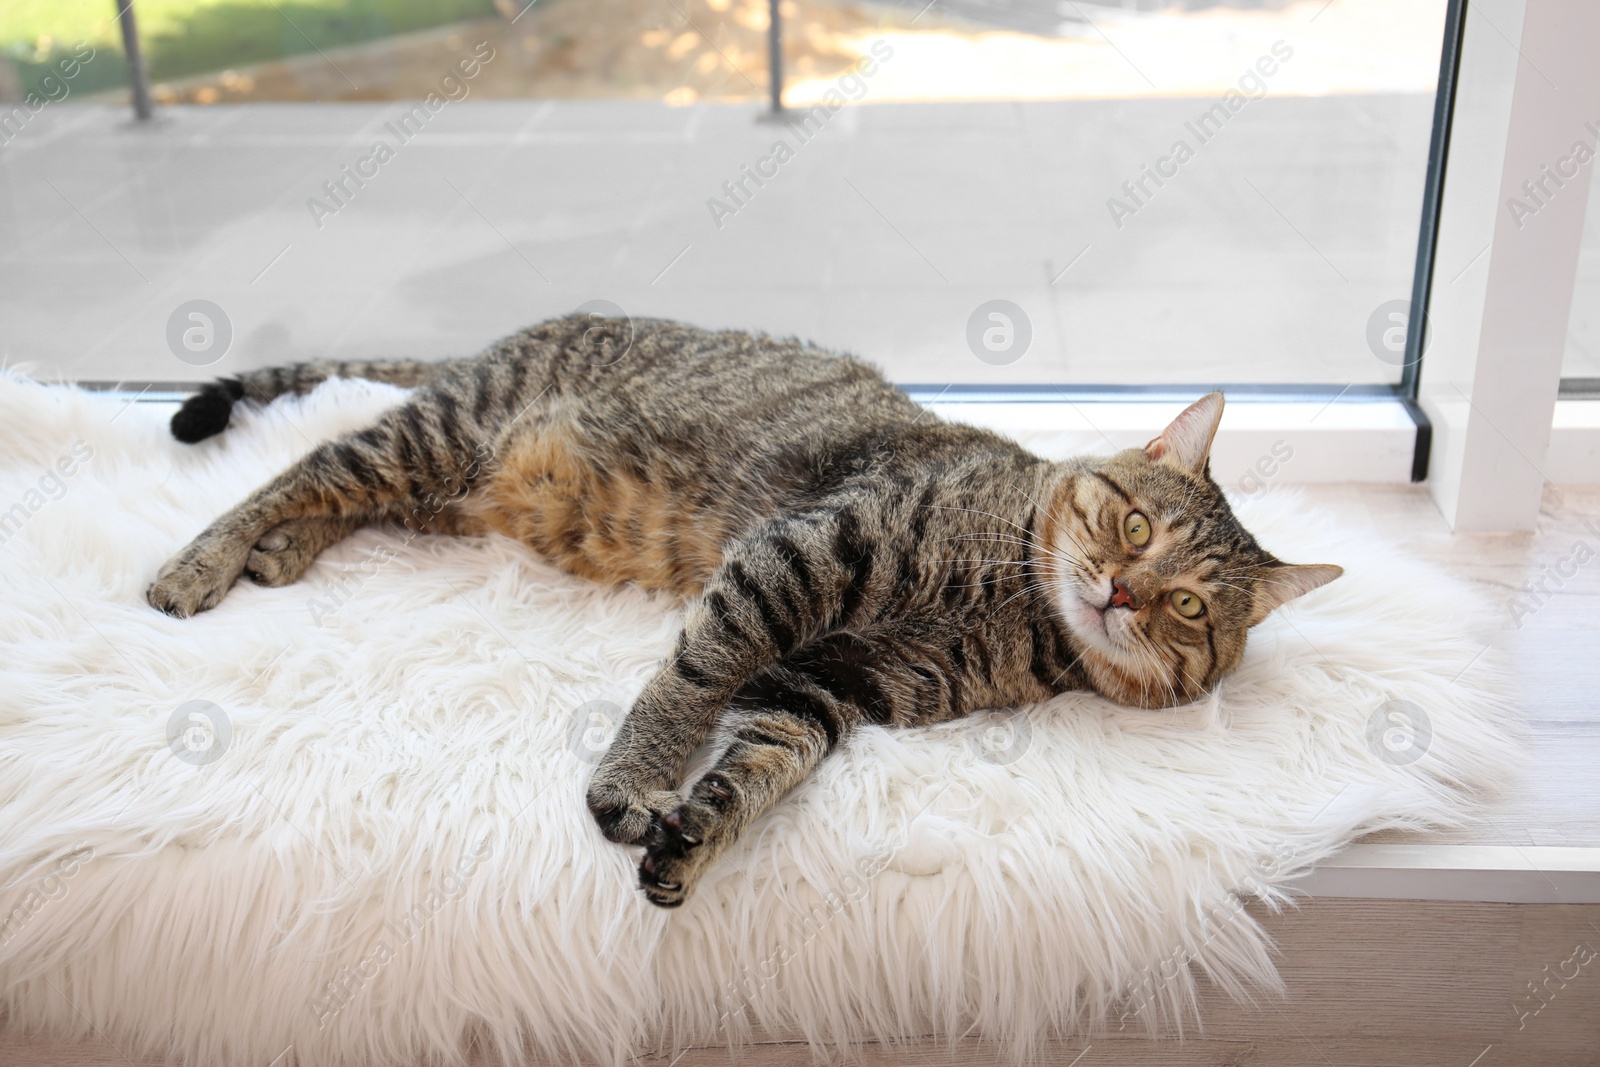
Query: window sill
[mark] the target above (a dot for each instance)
(1574, 455)
(1315, 440)
(1260, 442)
(1508, 874)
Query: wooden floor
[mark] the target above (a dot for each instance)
(1372, 982)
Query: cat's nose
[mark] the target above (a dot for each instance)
(1121, 595)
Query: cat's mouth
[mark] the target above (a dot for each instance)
(1087, 617)
(1095, 615)
(1089, 614)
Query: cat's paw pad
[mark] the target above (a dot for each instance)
(278, 558)
(669, 869)
(276, 539)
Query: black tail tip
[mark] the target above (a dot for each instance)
(205, 414)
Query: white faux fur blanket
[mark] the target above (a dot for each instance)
(342, 822)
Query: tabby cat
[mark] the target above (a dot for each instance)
(851, 558)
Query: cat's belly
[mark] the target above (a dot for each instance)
(601, 517)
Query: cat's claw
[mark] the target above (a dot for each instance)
(669, 868)
(673, 821)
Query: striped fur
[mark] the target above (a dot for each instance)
(851, 558)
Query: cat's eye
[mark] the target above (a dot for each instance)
(1136, 528)
(1186, 603)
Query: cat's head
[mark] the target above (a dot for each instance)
(1152, 575)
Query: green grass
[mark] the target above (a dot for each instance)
(184, 37)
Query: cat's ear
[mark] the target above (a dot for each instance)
(1187, 442)
(1273, 585)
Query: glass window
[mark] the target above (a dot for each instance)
(1580, 363)
(1037, 192)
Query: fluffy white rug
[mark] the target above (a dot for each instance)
(389, 855)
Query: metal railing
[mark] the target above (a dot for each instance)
(138, 78)
(775, 57)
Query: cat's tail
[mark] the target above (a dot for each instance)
(206, 413)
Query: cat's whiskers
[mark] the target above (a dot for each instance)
(1257, 578)
(1182, 669)
(1069, 566)
(1024, 531)
(1149, 668)
(1076, 566)
(1079, 545)
(1028, 541)
(1029, 564)
(1177, 668)
(1060, 523)
(1159, 676)
(1230, 585)
(1029, 568)
(992, 579)
(982, 534)
(1049, 513)
(1026, 588)
(997, 539)
(987, 581)
(1135, 661)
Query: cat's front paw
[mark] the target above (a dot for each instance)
(673, 858)
(625, 814)
(195, 580)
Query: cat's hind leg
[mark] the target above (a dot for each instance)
(288, 550)
(418, 454)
